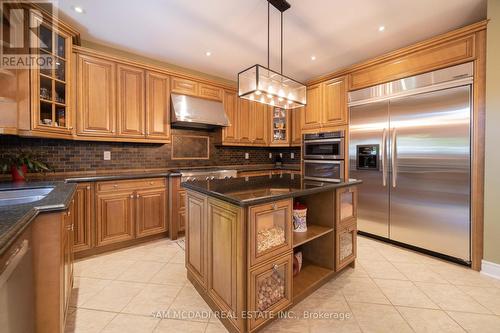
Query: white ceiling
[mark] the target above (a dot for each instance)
(339, 33)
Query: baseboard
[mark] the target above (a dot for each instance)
(490, 269)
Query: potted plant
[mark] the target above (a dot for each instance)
(20, 164)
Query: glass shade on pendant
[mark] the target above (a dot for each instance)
(263, 85)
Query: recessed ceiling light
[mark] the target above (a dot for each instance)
(313, 57)
(381, 28)
(208, 53)
(77, 9)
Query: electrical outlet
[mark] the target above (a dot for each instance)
(281, 155)
(292, 155)
(270, 155)
(107, 156)
(247, 156)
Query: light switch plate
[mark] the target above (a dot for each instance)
(247, 156)
(292, 155)
(107, 156)
(270, 155)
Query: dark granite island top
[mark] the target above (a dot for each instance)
(15, 218)
(247, 191)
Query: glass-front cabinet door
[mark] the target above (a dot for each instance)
(280, 127)
(50, 87)
(270, 289)
(270, 230)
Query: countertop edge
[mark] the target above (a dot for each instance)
(10, 236)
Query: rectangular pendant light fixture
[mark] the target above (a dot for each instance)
(262, 84)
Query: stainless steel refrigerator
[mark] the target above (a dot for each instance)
(409, 141)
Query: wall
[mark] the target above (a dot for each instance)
(71, 156)
(492, 158)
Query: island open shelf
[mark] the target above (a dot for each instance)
(240, 248)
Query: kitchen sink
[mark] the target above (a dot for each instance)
(22, 196)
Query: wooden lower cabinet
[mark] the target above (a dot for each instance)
(269, 289)
(114, 217)
(83, 217)
(130, 209)
(196, 238)
(151, 211)
(52, 235)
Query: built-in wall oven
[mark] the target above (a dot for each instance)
(324, 146)
(324, 156)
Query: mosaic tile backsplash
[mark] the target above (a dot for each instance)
(71, 156)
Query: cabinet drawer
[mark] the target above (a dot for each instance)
(130, 184)
(210, 92)
(345, 245)
(184, 86)
(270, 230)
(269, 290)
(346, 205)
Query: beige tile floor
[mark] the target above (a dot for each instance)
(390, 290)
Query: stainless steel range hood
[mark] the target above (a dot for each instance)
(194, 112)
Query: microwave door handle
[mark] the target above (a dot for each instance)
(383, 157)
(394, 158)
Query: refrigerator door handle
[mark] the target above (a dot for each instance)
(383, 157)
(394, 157)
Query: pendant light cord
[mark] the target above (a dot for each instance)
(281, 43)
(268, 25)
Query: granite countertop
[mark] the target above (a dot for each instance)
(246, 191)
(15, 218)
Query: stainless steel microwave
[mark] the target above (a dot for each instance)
(325, 170)
(324, 146)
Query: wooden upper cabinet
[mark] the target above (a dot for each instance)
(244, 121)
(296, 126)
(442, 55)
(335, 102)
(151, 211)
(210, 92)
(157, 106)
(184, 86)
(230, 101)
(96, 96)
(259, 120)
(312, 114)
(131, 106)
(326, 104)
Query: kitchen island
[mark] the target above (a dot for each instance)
(240, 243)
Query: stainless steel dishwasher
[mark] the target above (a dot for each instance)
(16, 289)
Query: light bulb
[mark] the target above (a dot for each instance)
(280, 99)
(262, 99)
(281, 92)
(257, 92)
(252, 97)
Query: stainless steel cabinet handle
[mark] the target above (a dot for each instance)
(394, 157)
(131, 196)
(383, 157)
(275, 206)
(88, 187)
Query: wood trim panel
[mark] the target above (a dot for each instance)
(434, 57)
(226, 259)
(131, 104)
(196, 237)
(83, 217)
(478, 139)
